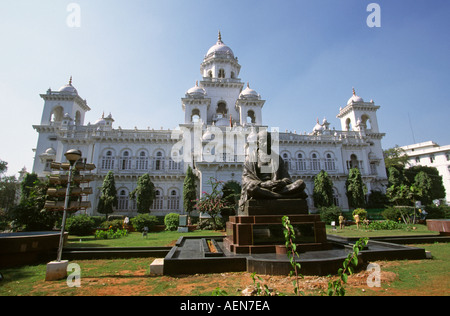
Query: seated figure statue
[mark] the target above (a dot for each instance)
(265, 176)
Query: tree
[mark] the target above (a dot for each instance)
(323, 190)
(8, 187)
(144, 194)
(30, 213)
(398, 191)
(212, 203)
(231, 193)
(355, 189)
(189, 191)
(108, 195)
(422, 188)
(437, 187)
(395, 157)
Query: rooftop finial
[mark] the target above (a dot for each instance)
(70, 80)
(354, 93)
(219, 38)
(248, 84)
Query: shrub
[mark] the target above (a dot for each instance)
(361, 212)
(207, 224)
(330, 214)
(110, 233)
(385, 225)
(435, 212)
(392, 214)
(81, 225)
(114, 224)
(171, 221)
(143, 220)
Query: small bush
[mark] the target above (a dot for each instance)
(385, 225)
(207, 224)
(144, 220)
(392, 214)
(330, 214)
(114, 224)
(81, 225)
(361, 212)
(111, 234)
(171, 221)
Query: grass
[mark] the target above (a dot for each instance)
(160, 239)
(131, 277)
(352, 231)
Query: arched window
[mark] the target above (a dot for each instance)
(57, 114)
(354, 161)
(221, 73)
(210, 75)
(251, 117)
(315, 162)
(335, 197)
(348, 124)
(174, 163)
(173, 201)
(286, 160)
(195, 117)
(142, 161)
(159, 161)
(108, 161)
(365, 120)
(329, 163)
(222, 108)
(300, 164)
(125, 161)
(123, 200)
(158, 201)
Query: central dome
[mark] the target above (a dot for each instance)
(68, 88)
(220, 48)
(354, 98)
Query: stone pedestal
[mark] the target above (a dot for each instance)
(56, 270)
(261, 229)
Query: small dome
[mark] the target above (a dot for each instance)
(220, 48)
(50, 151)
(318, 127)
(196, 92)
(104, 121)
(249, 93)
(354, 98)
(68, 88)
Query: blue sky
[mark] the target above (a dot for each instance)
(137, 58)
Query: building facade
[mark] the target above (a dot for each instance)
(222, 115)
(431, 154)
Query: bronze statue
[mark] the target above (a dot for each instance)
(265, 175)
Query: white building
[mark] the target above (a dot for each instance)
(222, 114)
(431, 154)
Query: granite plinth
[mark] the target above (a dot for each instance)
(264, 233)
(275, 207)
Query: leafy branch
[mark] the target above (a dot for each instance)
(291, 249)
(350, 263)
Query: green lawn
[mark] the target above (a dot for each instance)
(160, 239)
(131, 277)
(352, 231)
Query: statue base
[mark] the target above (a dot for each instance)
(260, 230)
(275, 207)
